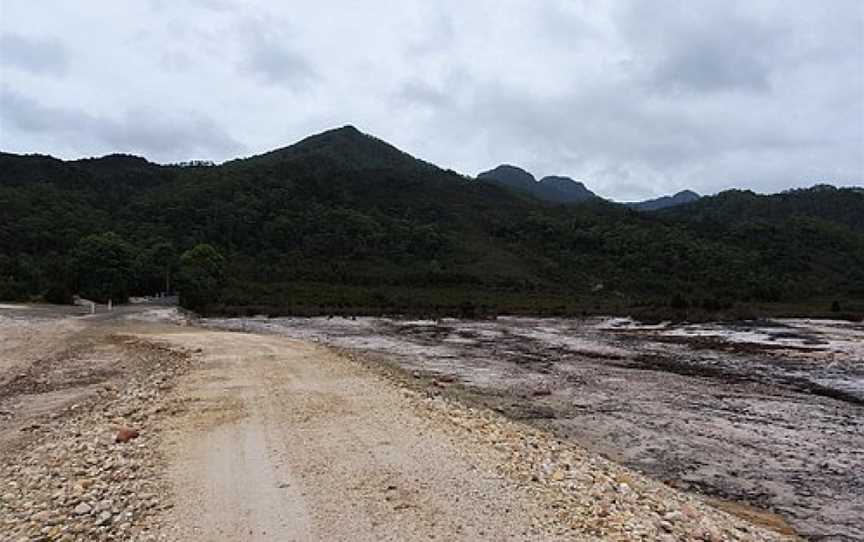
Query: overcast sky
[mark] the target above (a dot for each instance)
(635, 98)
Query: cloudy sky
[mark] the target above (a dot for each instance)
(637, 98)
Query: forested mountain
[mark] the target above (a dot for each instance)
(663, 202)
(554, 189)
(557, 189)
(511, 177)
(564, 190)
(732, 208)
(342, 219)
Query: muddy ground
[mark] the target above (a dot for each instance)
(767, 414)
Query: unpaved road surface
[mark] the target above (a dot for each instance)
(287, 440)
(257, 437)
(769, 413)
(50, 358)
(288, 443)
(67, 383)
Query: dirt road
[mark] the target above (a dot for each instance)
(286, 440)
(260, 437)
(290, 444)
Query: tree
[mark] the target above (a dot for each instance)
(201, 277)
(155, 267)
(104, 265)
(59, 294)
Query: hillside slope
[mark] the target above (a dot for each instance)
(553, 189)
(664, 202)
(345, 219)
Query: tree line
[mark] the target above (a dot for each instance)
(341, 222)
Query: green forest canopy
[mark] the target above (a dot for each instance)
(343, 219)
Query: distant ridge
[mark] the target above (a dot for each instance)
(663, 202)
(565, 189)
(560, 189)
(510, 176)
(555, 189)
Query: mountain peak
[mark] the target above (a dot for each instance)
(349, 130)
(688, 194)
(663, 202)
(343, 134)
(511, 177)
(346, 145)
(556, 189)
(562, 189)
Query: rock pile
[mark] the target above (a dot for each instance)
(82, 479)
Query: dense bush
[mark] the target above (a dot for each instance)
(59, 294)
(201, 277)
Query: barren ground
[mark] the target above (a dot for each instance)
(250, 436)
(766, 415)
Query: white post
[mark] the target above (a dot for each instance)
(92, 308)
(109, 305)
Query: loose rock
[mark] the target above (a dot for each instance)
(125, 434)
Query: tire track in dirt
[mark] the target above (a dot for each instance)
(285, 440)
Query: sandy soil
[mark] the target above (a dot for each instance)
(290, 445)
(27, 339)
(53, 357)
(289, 441)
(32, 341)
(765, 415)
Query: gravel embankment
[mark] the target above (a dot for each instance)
(73, 481)
(587, 494)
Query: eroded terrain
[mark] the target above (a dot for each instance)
(768, 414)
(161, 430)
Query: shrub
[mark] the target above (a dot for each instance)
(58, 294)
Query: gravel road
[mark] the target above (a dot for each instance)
(259, 437)
(286, 440)
(291, 443)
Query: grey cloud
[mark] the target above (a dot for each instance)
(155, 134)
(268, 55)
(615, 141)
(436, 34)
(713, 96)
(636, 97)
(422, 93)
(215, 5)
(712, 66)
(701, 47)
(177, 61)
(570, 25)
(276, 64)
(36, 55)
